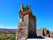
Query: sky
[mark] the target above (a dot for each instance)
(42, 9)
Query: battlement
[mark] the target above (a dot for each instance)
(25, 10)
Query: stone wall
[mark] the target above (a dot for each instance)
(51, 34)
(39, 32)
(43, 32)
(32, 26)
(26, 25)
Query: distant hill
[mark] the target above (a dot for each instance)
(7, 31)
(39, 32)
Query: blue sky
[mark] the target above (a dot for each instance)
(42, 9)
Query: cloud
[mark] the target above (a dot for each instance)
(8, 26)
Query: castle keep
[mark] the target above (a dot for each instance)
(27, 24)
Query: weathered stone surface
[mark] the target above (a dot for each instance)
(43, 32)
(46, 32)
(39, 32)
(51, 34)
(26, 26)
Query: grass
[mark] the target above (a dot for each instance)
(7, 36)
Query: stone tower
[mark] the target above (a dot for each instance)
(27, 24)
